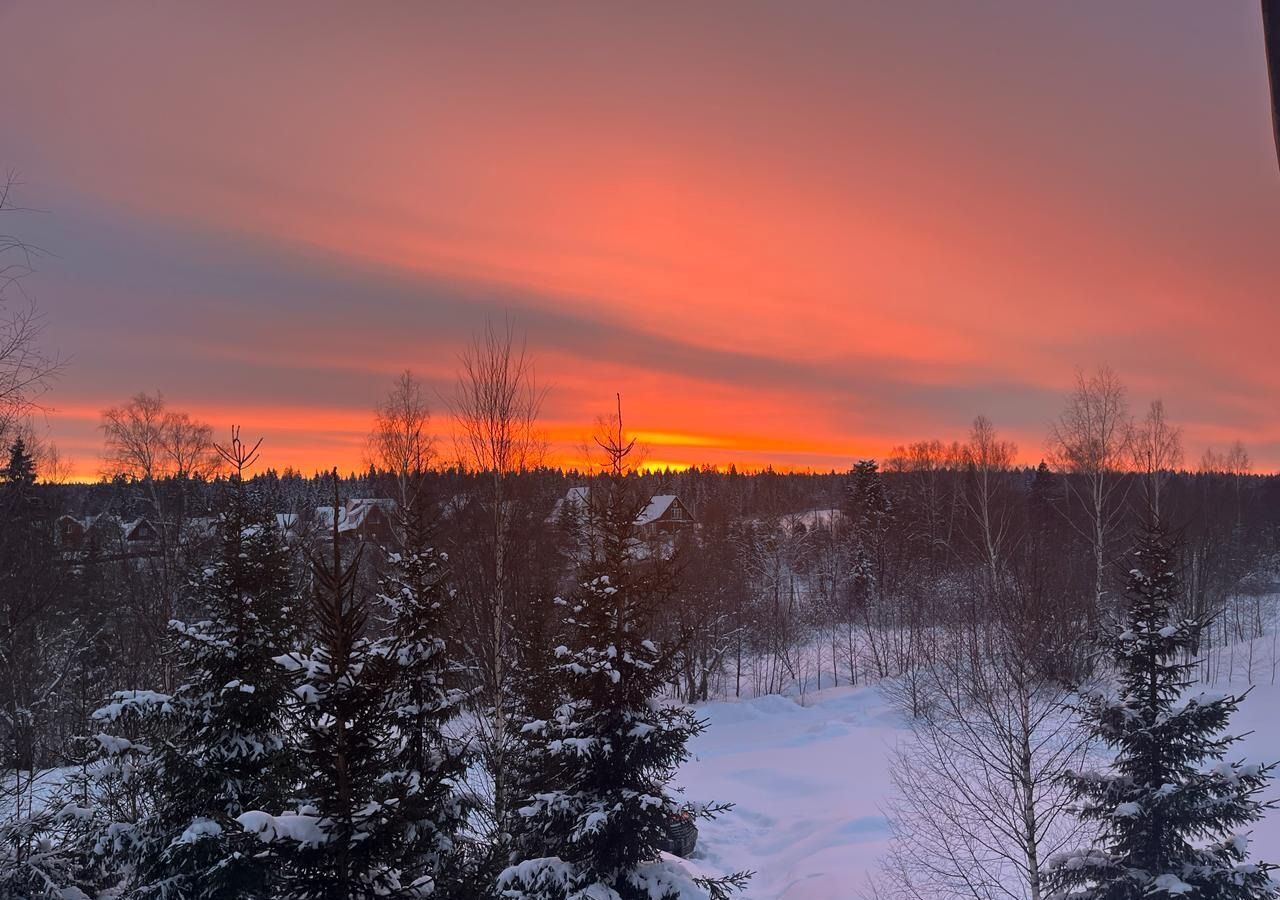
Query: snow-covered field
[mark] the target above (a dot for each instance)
(810, 782)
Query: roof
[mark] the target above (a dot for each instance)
(656, 509)
(358, 510)
(353, 514)
(131, 529)
(575, 499)
(578, 497)
(324, 517)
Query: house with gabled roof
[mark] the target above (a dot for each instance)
(664, 514)
(367, 519)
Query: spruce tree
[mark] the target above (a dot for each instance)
(218, 746)
(866, 503)
(1172, 809)
(870, 513)
(608, 752)
(425, 764)
(35, 644)
(380, 804)
(328, 841)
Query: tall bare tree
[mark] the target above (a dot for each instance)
(495, 408)
(1090, 443)
(1156, 452)
(989, 461)
(148, 442)
(26, 369)
(401, 442)
(981, 806)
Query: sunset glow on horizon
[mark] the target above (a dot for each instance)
(788, 236)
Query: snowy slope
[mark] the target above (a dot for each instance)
(809, 783)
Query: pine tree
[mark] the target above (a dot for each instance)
(20, 472)
(218, 746)
(380, 804)
(426, 766)
(35, 644)
(539, 692)
(866, 503)
(610, 749)
(870, 513)
(1171, 808)
(327, 842)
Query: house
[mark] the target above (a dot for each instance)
(372, 519)
(664, 514)
(366, 519)
(288, 524)
(140, 533)
(71, 532)
(572, 505)
(75, 533)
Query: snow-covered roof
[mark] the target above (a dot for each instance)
(575, 499)
(131, 529)
(324, 517)
(358, 509)
(578, 497)
(87, 522)
(656, 509)
(352, 515)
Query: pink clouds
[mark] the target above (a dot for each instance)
(848, 225)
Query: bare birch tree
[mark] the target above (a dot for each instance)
(980, 806)
(989, 461)
(26, 369)
(401, 442)
(495, 408)
(1089, 443)
(148, 442)
(1156, 452)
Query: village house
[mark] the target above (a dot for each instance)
(663, 514)
(361, 519)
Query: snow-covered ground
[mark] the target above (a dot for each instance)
(810, 783)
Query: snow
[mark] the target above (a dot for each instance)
(664, 878)
(656, 508)
(198, 829)
(1172, 884)
(113, 745)
(304, 829)
(810, 783)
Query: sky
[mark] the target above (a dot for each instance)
(788, 234)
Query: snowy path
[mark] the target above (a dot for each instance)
(809, 783)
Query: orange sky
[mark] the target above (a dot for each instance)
(788, 235)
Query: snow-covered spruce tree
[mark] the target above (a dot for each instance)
(609, 750)
(426, 764)
(1171, 809)
(35, 649)
(538, 693)
(379, 807)
(332, 843)
(218, 747)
